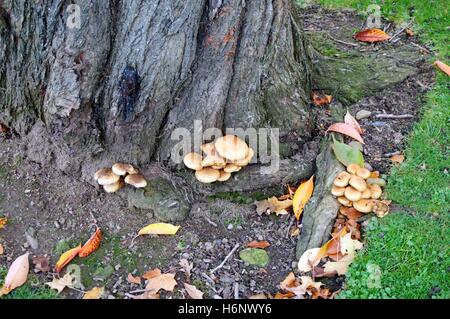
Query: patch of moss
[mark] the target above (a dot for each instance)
(324, 45)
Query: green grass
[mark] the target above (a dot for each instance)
(411, 250)
(32, 289)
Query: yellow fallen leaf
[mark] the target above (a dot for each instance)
(60, 283)
(3, 221)
(193, 292)
(301, 196)
(66, 258)
(94, 293)
(338, 267)
(159, 229)
(164, 281)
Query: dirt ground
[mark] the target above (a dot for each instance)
(49, 211)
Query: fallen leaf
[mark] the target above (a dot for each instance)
(147, 295)
(17, 274)
(399, 158)
(4, 128)
(152, 273)
(350, 213)
(187, 267)
(41, 263)
(371, 35)
(350, 120)
(258, 244)
(323, 293)
(308, 283)
(409, 32)
(273, 205)
(320, 99)
(302, 196)
(134, 280)
(94, 293)
(346, 129)
(193, 292)
(258, 296)
(163, 281)
(3, 221)
(66, 258)
(60, 283)
(346, 154)
(92, 244)
(443, 67)
(159, 229)
(308, 260)
(349, 245)
(1, 250)
(338, 267)
(288, 282)
(254, 256)
(330, 247)
(287, 295)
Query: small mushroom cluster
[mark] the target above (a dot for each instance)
(226, 155)
(114, 178)
(353, 188)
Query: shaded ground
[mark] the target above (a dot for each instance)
(61, 211)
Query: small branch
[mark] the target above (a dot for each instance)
(343, 42)
(420, 47)
(394, 116)
(401, 30)
(210, 221)
(226, 258)
(290, 225)
(392, 154)
(236, 290)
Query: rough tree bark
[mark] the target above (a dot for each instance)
(230, 63)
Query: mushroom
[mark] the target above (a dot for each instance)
(342, 179)
(375, 191)
(193, 161)
(367, 193)
(231, 168)
(379, 208)
(358, 183)
(136, 180)
(123, 169)
(231, 147)
(344, 201)
(112, 188)
(337, 191)
(363, 205)
(247, 159)
(363, 172)
(207, 148)
(352, 194)
(207, 175)
(224, 176)
(352, 168)
(213, 159)
(106, 176)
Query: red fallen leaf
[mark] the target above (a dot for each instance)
(346, 129)
(92, 244)
(66, 258)
(258, 244)
(350, 120)
(320, 99)
(444, 67)
(371, 35)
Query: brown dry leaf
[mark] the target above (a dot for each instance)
(152, 273)
(287, 295)
(258, 244)
(399, 158)
(331, 246)
(443, 67)
(3, 221)
(302, 196)
(41, 263)
(163, 281)
(350, 213)
(60, 283)
(17, 274)
(186, 266)
(134, 280)
(323, 293)
(346, 129)
(350, 120)
(94, 293)
(320, 99)
(258, 296)
(289, 282)
(193, 292)
(1, 250)
(147, 295)
(66, 258)
(371, 35)
(4, 128)
(409, 32)
(308, 283)
(273, 205)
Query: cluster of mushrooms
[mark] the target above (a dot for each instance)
(353, 189)
(225, 155)
(114, 178)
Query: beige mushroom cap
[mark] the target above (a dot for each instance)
(122, 169)
(207, 148)
(106, 176)
(344, 201)
(247, 159)
(207, 175)
(231, 168)
(352, 194)
(363, 205)
(224, 176)
(112, 188)
(342, 179)
(363, 172)
(337, 191)
(352, 168)
(213, 159)
(193, 161)
(358, 183)
(231, 147)
(367, 193)
(375, 191)
(136, 180)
